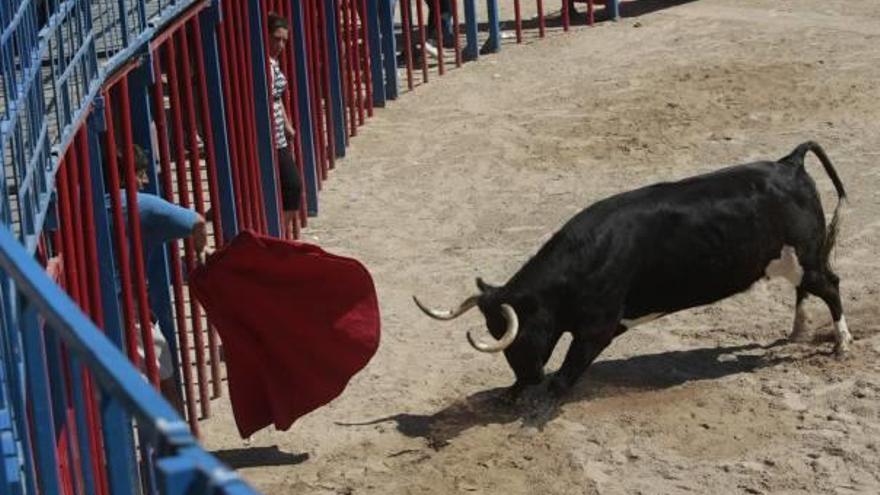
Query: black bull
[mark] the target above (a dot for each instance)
(663, 248)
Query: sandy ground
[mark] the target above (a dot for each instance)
(471, 173)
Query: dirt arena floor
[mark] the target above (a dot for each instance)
(470, 174)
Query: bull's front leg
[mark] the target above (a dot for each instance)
(529, 372)
(584, 349)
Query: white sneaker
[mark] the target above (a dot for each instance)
(430, 49)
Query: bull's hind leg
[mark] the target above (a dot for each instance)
(826, 286)
(799, 331)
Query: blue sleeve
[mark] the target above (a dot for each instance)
(164, 221)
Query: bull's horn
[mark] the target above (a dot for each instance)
(506, 339)
(446, 314)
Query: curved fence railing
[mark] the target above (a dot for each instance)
(83, 84)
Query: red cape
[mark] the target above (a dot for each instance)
(296, 324)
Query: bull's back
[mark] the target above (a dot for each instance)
(693, 242)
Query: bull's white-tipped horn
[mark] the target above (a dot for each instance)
(506, 339)
(446, 314)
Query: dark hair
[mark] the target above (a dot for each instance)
(277, 22)
(141, 162)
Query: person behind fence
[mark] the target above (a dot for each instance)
(161, 221)
(291, 189)
(445, 25)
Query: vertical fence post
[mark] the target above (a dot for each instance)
(15, 382)
(40, 399)
(337, 100)
(305, 111)
(209, 19)
(493, 45)
(263, 113)
(158, 280)
(472, 49)
(612, 9)
(376, 64)
(119, 440)
(389, 48)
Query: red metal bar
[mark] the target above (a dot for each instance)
(97, 313)
(213, 191)
(325, 63)
(246, 122)
(174, 87)
(342, 53)
(251, 109)
(438, 32)
(315, 88)
(134, 227)
(350, 67)
(566, 19)
(422, 39)
(230, 96)
(541, 22)
(79, 276)
(406, 27)
(112, 172)
(322, 96)
(210, 156)
(173, 253)
(455, 27)
(358, 65)
(590, 12)
(365, 47)
(169, 30)
(517, 14)
(68, 441)
(195, 163)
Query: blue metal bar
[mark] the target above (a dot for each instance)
(39, 390)
(11, 344)
(116, 423)
(178, 476)
(158, 279)
(265, 119)
(493, 45)
(389, 48)
(209, 19)
(116, 375)
(337, 100)
(376, 65)
(472, 48)
(305, 113)
(612, 7)
(82, 428)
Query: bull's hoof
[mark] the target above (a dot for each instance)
(841, 350)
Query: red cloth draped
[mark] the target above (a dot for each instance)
(296, 324)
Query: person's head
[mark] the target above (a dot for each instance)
(141, 164)
(279, 30)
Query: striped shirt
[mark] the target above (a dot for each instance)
(279, 84)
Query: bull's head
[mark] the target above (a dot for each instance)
(503, 323)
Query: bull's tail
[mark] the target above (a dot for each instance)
(797, 158)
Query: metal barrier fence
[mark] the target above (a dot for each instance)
(50, 354)
(84, 81)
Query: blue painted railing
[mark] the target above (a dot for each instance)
(36, 314)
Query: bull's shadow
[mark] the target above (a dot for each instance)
(605, 378)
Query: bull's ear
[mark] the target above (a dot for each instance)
(484, 287)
